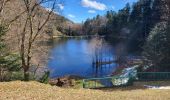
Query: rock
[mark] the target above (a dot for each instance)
(66, 81)
(59, 82)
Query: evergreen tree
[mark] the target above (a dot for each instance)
(112, 23)
(123, 15)
(2, 32)
(160, 11)
(136, 14)
(9, 63)
(157, 47)
(147, 11)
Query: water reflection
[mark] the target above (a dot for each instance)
(75, 57)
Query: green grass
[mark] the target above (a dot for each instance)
(79, 84)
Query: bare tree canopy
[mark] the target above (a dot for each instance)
(28, 21)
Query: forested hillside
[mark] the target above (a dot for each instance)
(144, 25)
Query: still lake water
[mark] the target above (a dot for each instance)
(75, 56)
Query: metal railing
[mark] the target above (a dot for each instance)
(106, 82)
(153, 76)
(124, 81)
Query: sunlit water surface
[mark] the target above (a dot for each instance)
(75, 56)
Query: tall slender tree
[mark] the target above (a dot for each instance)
(34, 26)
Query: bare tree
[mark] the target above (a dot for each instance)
(34, 24)
(2, 5)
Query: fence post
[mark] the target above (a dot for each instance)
(84, 84)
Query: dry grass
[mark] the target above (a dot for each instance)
(36, 91)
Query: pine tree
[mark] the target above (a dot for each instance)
(157, 47)
(9, 63)
(123, 15)
(136, 14)
(2, 33)
(160, 11)
(147, 11)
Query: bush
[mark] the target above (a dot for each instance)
(9, 63)
(9, 67)
(45, 77)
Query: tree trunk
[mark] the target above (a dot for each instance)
(26, 74)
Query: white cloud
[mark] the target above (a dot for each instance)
(93, 4)
(49, 9)
(61, 6)
(113, 7)
(72, 16)
(92, 11)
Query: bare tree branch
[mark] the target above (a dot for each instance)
(32, 10)
(3, 3)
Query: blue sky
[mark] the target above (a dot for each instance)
(80, 10)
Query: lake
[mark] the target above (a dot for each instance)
(75, 56)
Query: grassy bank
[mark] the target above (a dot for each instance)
(37, 91)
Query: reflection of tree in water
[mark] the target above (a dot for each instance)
(98, 52)
(102, 57)
(102, 53)
(102, 71)
(120, 53)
